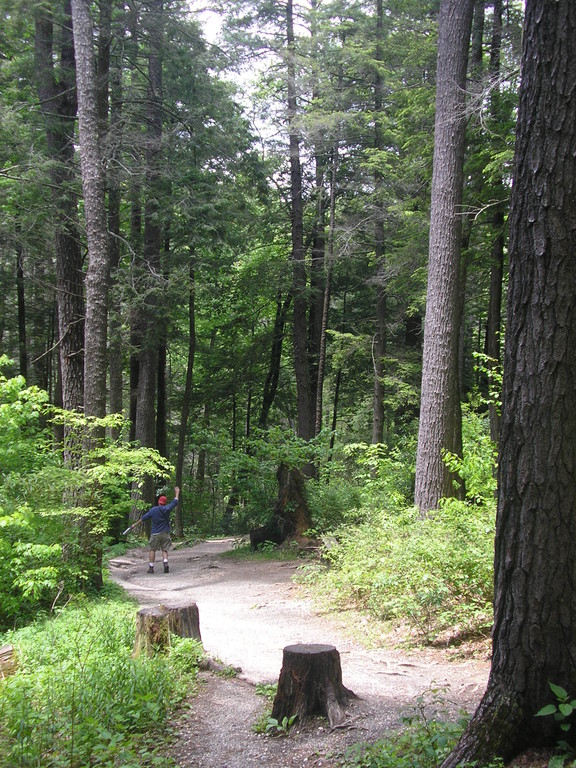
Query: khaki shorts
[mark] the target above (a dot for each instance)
(160, 541)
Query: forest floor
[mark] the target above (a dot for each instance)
(249, 611)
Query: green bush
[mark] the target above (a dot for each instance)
(434, 572)
(79, 698)
(429, 733)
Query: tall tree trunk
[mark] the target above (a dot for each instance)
(440, 415)
(98, 272)
(57, 94)
(21, 301)
(305, 403)
(535, 601)
(271, 383)
(187, 395)
(327, 293)
(149, 314)
(94, 189)
(110, 90)
(379, 340)
(494, 318)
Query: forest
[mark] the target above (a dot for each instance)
(258, 244)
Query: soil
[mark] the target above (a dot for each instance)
(249, 611)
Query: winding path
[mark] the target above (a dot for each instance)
(249, 611)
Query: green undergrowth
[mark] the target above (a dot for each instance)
(431, 573)
(79, 698)
(430, 731)
(268, 550)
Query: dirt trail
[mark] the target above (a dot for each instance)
(248, 613)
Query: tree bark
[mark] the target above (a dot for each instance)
(187, 394)
(379, 340)
(534, 642)
(291, 516)
(115, 351)
(152, 631)
(305, 401)
(310, 683)
(149, 321)
(21, 299)
(184, 620)
(94, 191)
(8, 661)
(494, 316)
(57, 96)
(273, 375)
(155, 624)
(440, 415)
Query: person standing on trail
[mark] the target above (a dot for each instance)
(160, 533)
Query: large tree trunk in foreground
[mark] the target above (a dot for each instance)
(534, 640)
(440, 415)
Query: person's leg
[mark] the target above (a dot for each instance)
(165, 559)
(151, 559)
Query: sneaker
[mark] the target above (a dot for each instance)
(166, 568)
(150, 569)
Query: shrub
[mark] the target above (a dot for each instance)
(80, 698)
(435, 572)
(429, 733)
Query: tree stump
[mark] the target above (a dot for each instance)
(8, 661)
(310, 684)
(155, 624)
(152, 631)
(184, 620)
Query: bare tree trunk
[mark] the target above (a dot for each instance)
(57, 96)
(271, 383)
(494, 319)
(21, 300)
(115, 138)
(145, 431)
(379, 340)
(187, 395)
(305, 403)
(327, 294)
(93, 187)
(535, 601)
(440, 415)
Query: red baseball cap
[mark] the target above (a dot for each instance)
(162, 500)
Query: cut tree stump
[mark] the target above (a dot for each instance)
(8, 661)
(310, 684)
(184, 620)
(154, 626)
(152, 631)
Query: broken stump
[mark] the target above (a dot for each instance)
(155, 624)
(310, 683)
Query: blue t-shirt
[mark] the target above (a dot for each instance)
(160, 517)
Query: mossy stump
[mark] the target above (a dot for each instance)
(310, 684)
(155, 624)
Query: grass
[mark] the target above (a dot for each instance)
(80, 699)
